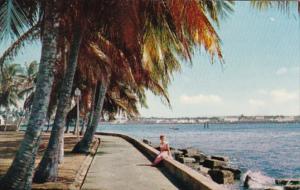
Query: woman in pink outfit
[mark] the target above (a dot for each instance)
(164, 151)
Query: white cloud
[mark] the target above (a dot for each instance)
(262, 92)
(282, 71)
(201, 99)
(256, 102)
(275, 101)
(285, 71)
(282, 95)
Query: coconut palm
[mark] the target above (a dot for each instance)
(19, 175)
(26, 92)
(9, 85)
(130, 43)
(28, 79)
(157, 35)
(48, 167)
(15, 83)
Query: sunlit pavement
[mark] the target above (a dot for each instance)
(120, 166)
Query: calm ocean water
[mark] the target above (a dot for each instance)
(272, 149)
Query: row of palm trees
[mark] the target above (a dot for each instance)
(16, 85)
(113, 50)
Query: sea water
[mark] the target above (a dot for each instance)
(267, 149)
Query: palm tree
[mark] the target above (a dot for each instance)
(84, 144)
(15, 83)
(19, 175)
(48, 167)
(9, 85)
(129, 42)
(157, 35)
(28, 79)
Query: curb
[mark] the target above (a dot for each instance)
(84, 168)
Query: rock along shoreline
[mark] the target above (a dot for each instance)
(218, 168)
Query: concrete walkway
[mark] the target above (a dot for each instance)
(120, 166)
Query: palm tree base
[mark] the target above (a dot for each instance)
(46, 172)
(81, 147)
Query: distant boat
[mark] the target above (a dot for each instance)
(174, 128)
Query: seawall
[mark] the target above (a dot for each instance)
(183, 174)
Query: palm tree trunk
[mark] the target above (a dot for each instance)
(83, 146)
(20, 122)
(67, 126)
(48, 167)
(19, 175)
(92, 106)
(4, 124)
(48, 126)
(75, 132)
(83, 125)
(61, 149)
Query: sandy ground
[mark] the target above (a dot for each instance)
(9, 143)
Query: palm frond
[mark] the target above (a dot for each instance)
(28, 37)
(283, 5)
(16, 16)
(217, 9)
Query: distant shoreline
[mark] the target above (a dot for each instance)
(193, 123)
(241, 119)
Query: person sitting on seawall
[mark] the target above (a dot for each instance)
(164, 151)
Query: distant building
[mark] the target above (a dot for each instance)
(297, 118)
(203, 120)
(285, 119)
(259, 118)
(231, 119)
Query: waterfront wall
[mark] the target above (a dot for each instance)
(183, 174)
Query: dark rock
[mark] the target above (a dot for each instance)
(292, 187)
(186, 160)
(146, 141)
(288, 181)
(156, 147)
(254, 180)
(221, 176)
(236, 172)
(190, 152)
(200, 158)
(184, 150)
(211, 163)
(172, 148)
(193, 165)
(221, 158)
(246, 182)
(177, 154)
(203, 169)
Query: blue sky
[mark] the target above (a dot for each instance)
(261, 75)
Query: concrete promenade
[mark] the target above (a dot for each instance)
(120, 166)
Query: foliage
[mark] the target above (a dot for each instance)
(140, 50)
(283, 5)
(16, 17)
(15, 83)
